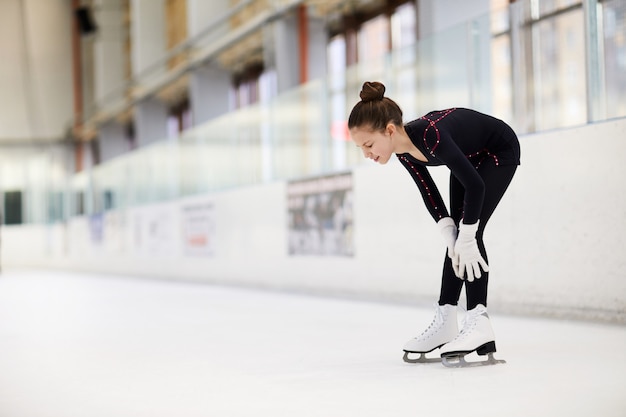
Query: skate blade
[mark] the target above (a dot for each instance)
(458, 361)
(421, 359)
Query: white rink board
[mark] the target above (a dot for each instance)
(556, 244)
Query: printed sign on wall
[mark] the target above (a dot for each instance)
(156, 230)
(320, 216)
(114, 228)
(198, 228)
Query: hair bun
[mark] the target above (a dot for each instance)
(372, 91)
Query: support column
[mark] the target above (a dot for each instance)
(148, 35)
(109, 73)
(148, 31)
(286, 52)
(109, 57)
(299, 50)
(112, 141)
(150, 122)
(209, 91)
(209, 85)
(317, 43)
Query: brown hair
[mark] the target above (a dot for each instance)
(374, 109)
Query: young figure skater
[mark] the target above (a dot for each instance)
(482, 154)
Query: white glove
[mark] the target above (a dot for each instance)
(448, 230)
(466, 250)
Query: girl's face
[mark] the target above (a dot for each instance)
(376, 145)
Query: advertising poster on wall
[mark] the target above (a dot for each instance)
(320, 216)
(198, 228)
(115, 231)
(156, 230)
(96, 228)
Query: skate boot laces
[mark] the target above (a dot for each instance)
(471, 320)
(437, 320)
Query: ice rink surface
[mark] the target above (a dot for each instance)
(75, 345)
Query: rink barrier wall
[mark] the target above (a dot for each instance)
(556, 243)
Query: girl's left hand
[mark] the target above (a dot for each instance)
(466, 249)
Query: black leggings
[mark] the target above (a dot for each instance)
(497, 180)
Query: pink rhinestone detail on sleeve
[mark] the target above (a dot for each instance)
(424, 184)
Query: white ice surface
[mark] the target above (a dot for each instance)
(75, 345)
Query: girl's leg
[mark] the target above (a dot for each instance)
(451, 285)
(497, 180)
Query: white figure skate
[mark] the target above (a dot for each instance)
(476, 336)
(443, 329)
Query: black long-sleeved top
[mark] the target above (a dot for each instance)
(461, 139)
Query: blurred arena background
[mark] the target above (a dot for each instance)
(206, 141)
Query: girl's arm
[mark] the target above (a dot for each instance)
(430, 193)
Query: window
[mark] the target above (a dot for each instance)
(547, 47)
(403, 26)
(179, 119)
(374, 39)
(246, 88)
(614, 22)
(13, 207)
(558, 70)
